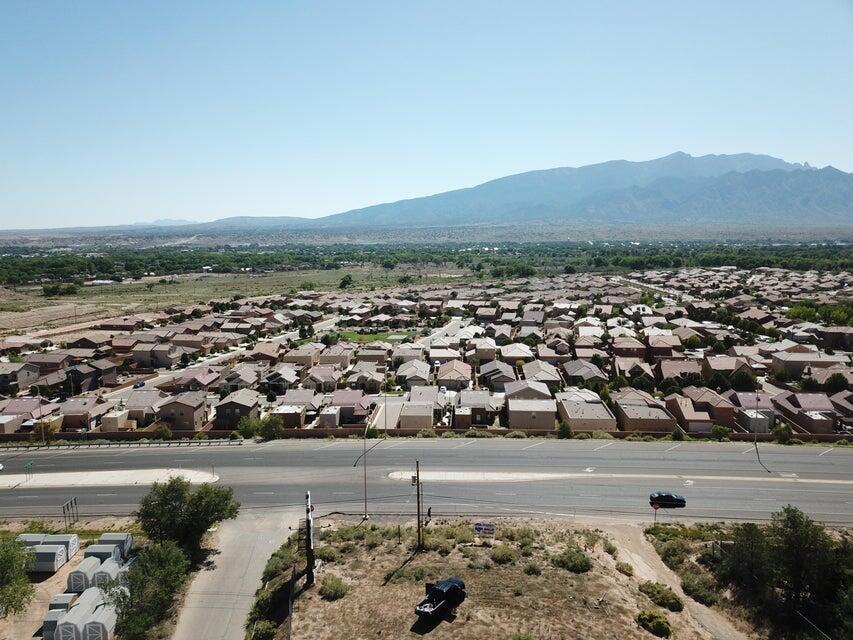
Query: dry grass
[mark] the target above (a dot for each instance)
(385, 581)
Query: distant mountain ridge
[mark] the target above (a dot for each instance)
(678, 189)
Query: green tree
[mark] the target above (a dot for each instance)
(151, 584)
(346, 282)
(174, 511)
(743, 381)
(835, 383)
(271, 428)
(15, 588)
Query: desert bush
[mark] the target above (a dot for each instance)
(264, 630)
(503, 554)
(625, 568)
(673, 552)
(610, 548)
(662, 596)
(532, 569)
(582, 436)
(333, 588)
(427, 433)
(479, 433)
(516, 434)
(572, 559)
(326, 554)
(655, 622)
(450, 434)
(700, 586)
(564, 431)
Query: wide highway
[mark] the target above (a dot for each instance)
(488, 477)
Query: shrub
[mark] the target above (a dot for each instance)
(333, 588)
(610, 548)
(625, 568)
(602, 435)
(678, 435)
(234, 436)
(522, 636)
(655, 622)
(516, 434)
(503, 554)
(572, 559)
(583, 436)
(564, 431)
(264, 630)
(163, 432)
(326, 554)
(427, 433)
(478, 433)
(662, 595)
(700, 586)
(532, 569)
(720, 432)
(450, 434)
(271, 428)
(783, 433)
(200, 436)
(673, 552)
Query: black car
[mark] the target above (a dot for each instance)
(666, 500)
(441, 597)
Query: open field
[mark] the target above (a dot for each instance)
(517, 584)
(25, 308)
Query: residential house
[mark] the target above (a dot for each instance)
(531, 414)
(527, 390)
(84, 414)
(812, 412)
(792, 364)
(754, 411)
(185, 411)
(583, 372)
(416, 415)
(584, 410)
(413, 373)
(454, 374)
(496, 374)
(636, 410)
(689, 416)
(323, 377)
(237, 405)
(543, 372)
(17, 377)
(143, 405)
(721, 410)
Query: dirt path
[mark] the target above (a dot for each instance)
(639, 552)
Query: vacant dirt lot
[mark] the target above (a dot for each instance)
(515, 589)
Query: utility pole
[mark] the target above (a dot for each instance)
(309, 540)
(420, 524)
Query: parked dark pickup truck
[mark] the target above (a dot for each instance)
(441, 597)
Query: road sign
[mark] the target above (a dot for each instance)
(485, 528)
(655, 506)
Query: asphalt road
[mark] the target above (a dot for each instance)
(598, 478)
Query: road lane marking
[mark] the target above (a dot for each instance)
(105, 495)
(464, 444)
(589, 469)
(331, 444)
(342, 493)
(604, 445)
(589, 495)
(747, 450)
(500, 493)
(530, 446)
(675, 446)
(264, 493)
(825, 452)
(509, 476)
(393, 444)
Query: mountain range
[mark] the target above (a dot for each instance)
(678, 190)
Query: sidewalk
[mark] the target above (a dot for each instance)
(220, 598)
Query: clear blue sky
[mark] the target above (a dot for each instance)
(114, 112)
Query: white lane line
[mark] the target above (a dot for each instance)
(499, 493)
(530, 446)
(675, 446)
(264, 493)
(393, 444)
(464, 444)
(588, 495)
(183, 459)
(105, 495)
(747, 450)
(604, 445)
(331, 444)
(825, 452)
(342, 493)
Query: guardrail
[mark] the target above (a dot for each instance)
(127, 443)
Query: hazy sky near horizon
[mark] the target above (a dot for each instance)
(120, 112)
